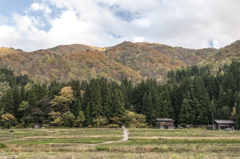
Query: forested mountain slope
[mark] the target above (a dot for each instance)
(188, 56)
(129, 60)
(222, 56)
(191, 96)
(62, 63)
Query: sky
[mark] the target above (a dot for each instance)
(40, 24)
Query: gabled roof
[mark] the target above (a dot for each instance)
(164, 119)
(224, 121)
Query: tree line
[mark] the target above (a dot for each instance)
(190, 96)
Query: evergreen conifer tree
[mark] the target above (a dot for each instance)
(118, 104)
(231, 82)
(17, 101)
(202, 104)
(106, 100)
(32, 100)
(220, 97)
(88, 120)
(184, 116)
(213, 110)
(9, 102)
(23, 93)
(96, 100)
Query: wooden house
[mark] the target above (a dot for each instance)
(162, 123)
(224, 124)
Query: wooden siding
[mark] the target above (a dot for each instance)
(165, 125)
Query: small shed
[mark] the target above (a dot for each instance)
(163, 123)
(223, 124)
(210, 127)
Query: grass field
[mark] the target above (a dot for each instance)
(142, 143)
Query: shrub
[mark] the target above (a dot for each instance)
(2, 146)
(31, 125)
(141, 125)
(113, 126)
(102, 148)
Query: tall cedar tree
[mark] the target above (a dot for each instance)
(106, 99)
(23, 93)
(220, 97)
(9, 102)
(17, 101)
(32, 100)
(185, 116)
(88, 120)
(96, 100)
(202, 103)
(150, 111)
(145, 104)
(76, 107)
(118, 104)
(213, 110)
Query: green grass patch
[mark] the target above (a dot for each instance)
(63, 140)
(3, 146)
(142, 141)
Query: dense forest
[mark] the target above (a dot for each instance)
(190, 96)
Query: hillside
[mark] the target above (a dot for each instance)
(188, 56)
(134, 61)
(223, 56)
(83, 62)
(148, 62)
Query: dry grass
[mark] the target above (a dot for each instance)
(143, 143)
(107, 155)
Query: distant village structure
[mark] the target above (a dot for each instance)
(224, 124)
(162, 123)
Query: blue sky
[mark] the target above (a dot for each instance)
(40, 24)
(8, 7)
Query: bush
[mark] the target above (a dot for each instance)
(102, 148)
(2, 146)
(113, 126)
(11, 131)
(20, 125)
(31, 125)
(141, 125)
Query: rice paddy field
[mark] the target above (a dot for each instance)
(103, 143)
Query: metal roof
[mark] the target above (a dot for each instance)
(224, 121)
(164, 119)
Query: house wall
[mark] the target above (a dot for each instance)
(165, 125)
(224, 125)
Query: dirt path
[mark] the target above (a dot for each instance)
(125, 138)
(125, 135)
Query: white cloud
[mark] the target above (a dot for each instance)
(37, 6)
(138, 39)
(186, 23)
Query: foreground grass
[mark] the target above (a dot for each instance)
(142, 143)
(182, 133)
(105, 155)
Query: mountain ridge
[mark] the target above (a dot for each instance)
(134, 61)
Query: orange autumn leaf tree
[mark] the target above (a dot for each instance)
(8, 120)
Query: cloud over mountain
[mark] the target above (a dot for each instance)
(186, 23)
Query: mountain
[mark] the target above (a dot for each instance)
(134, 61)
(188, 56)
(222, 56)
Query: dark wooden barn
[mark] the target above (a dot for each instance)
(223, 124)
(162, 123)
